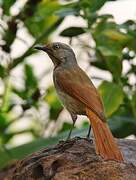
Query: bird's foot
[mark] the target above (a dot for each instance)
(89, 139)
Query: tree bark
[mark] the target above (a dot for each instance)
(74, 159)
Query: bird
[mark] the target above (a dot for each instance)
(80, 97)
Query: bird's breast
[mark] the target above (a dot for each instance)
(71, 104)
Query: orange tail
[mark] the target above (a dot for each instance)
(105, 144)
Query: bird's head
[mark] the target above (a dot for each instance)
(59, 53)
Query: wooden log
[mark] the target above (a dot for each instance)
(74, 159)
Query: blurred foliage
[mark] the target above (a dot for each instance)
(55, 105)
(111, 92)
(114, 46)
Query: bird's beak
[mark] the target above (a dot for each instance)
(48, 50)
(43, 48)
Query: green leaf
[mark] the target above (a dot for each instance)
(68, 9)
(6, 4)
(6, 137)
(133, 103)
(92, 5)
(108, 48)
(122, 126)
(43, 17)
(9, 35)
(114, 65)
(31, 81)
(66, 12)
(117, 36)
(7, 95)
(31, 93)
(129, 26)
(21, 93)
(72, 31)
(111, 56)
(53, 102)
(3, 122)
(66, 127)
(2, 71)
(99, 64)
(110, 42)
(112, 95)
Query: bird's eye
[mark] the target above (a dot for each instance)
(56, 46)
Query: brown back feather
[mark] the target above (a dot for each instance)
(77, 84)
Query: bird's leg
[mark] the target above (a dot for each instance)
(74, 118)
(89, 131)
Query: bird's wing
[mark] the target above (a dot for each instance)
(77, 84)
